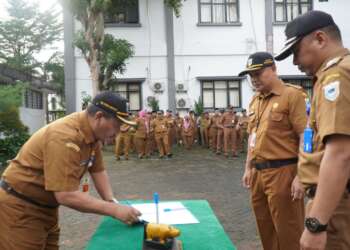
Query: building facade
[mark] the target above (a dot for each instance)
(198, 55)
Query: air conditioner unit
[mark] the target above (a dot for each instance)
(180, 87)
(182, 103)
(157, 87)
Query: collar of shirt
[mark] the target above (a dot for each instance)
(86, 128)
(277, 90)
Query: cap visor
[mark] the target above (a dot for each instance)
(244, 72)
(287, 50)
(131, 123)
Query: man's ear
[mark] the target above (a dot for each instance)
(98, 115)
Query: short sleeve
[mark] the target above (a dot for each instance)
(297, 111)
(333, 107)
(62, 170)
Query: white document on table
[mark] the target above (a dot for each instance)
(171, 213)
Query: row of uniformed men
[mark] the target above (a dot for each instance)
(222, 130)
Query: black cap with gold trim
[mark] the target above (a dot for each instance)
(114, 104)
(258, 61)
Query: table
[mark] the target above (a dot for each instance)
(207, 235)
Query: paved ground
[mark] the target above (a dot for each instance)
(195, 174)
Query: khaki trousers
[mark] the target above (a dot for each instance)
(26, 226)
(213, 136)
(141, 143)
(280, 220)
(162, 141)
(204, 136)
(122, 142)
(219, 140)
(230, 139)
(338, 230)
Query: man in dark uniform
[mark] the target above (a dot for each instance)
(277, 116)
(316, 44)
(47, 171)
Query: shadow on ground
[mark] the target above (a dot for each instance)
(195, 174)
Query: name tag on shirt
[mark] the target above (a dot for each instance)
(252, 140)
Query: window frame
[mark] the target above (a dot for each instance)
(285, 11)
(33, 99)
(129, 82)
(226, 23)
(115, 24)
(226, 80)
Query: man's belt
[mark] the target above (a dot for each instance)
(229, 126)
(311, 191)
(275, 163)
(8, 189)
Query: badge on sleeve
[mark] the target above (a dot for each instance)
(331, 91)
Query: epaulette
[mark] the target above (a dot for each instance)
(332, 62)
(294, 86)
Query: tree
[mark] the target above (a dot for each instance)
(104, 54)
(25, 33)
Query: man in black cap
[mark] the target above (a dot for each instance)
(53, 167)
(277, 116)
(316, 44)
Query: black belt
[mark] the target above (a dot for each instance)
(311, 191)
(8, 189)
(275, 163)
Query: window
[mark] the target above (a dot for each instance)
(218, 11)
(127, 12)
(287, 10)
(221, 93)
(33, 99)
(132, 92)
(303, 81)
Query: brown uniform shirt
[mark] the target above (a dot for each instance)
(214, 121)
(329, 112)
(243, 122)
(204, 122)
(160, 126)
(277, 120)
(141, 131)
(228, 120)
(54, 159)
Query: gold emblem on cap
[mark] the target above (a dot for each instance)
(275, 105)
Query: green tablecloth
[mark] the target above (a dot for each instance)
(207, 235)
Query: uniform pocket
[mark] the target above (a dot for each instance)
(276, 120)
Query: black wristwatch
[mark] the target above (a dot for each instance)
(314, 226)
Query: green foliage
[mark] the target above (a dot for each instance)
(199, 107)
(26, 33)
(54, 73)
(176, 5)
(12, 131)
(153, 103)
(85, 100)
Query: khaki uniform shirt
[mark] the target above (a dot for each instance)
(214, 121)
(141, 130)
(329, 112)
(160, 126)
(204, 122)
(243, 122)
(55, 158)
(277, 120)
(228, 120)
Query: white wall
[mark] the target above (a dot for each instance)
(34, 119)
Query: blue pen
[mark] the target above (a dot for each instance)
(174, 209)
(156, 202)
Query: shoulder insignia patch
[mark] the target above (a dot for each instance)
(332, 62)
(331, 91)
(73, 146)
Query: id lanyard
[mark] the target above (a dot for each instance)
(86, 179)
(308, 132)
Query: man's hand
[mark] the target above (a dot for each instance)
(297, 189)
(126, 214)
(311, 241)
(247, 178)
